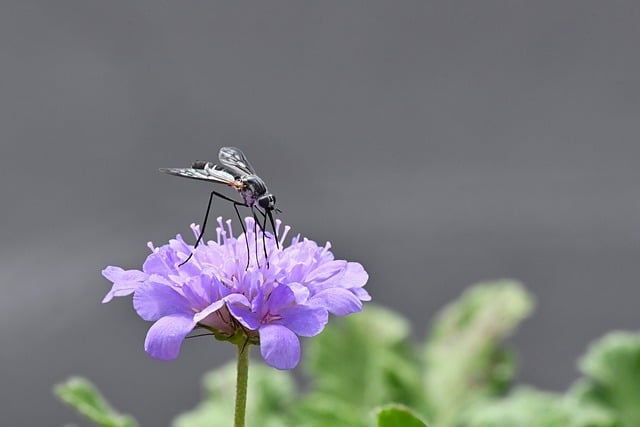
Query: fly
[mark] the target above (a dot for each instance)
(234, 170)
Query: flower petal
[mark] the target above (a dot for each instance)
(125, 282)
(279, 347)
(155, 300)
(201, 290)
(304, 320)
(325, 271)
(160, 262)
(282, 296)
(337, 301)
(243, 313)
(165, 337)
(354, 277)
(361, 294)
(208, 310)
(300, 292)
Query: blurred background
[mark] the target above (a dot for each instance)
(439, 144)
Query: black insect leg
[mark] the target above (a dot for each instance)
(206, 217)
(256, 224)
(255, 231)
(264, 240)
(273, 225)
(244, 230)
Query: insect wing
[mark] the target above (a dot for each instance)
(206, 174)
(234, 160)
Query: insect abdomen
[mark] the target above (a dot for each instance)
(201, 164)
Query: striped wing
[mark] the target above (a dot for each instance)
(209, 172)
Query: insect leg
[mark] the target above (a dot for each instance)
(260, 212)
(264, 241)
(244, 230)
(206, 217)
(256, 224)
(273, 225)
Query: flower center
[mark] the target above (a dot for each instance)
(270, 317)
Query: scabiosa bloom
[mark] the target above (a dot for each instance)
(288, 292)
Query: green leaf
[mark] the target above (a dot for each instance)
(612, 383)
(270, 393)
(359, 362)
(523, 408)
(527, 407)
(83, 396)
(398, 416)
(465, 361)
(584, 413)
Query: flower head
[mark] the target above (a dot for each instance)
(284, 293)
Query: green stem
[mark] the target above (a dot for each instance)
(241, 384)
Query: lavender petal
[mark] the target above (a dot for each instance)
(325, 271)
(154, 300)
(125, 282)
(354, 277)
(305, 321)
(337, 301)
(165, 337)
(279, 347)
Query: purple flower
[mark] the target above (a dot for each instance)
(278, 298)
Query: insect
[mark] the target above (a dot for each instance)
(235, 171)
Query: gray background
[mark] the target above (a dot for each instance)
(439, 144)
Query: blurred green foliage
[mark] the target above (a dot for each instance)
(465, 362)
(270, 394)
(87, 400)
(365, 370)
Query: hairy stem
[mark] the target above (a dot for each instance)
(241, 384)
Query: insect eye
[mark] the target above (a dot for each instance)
(267, 202)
